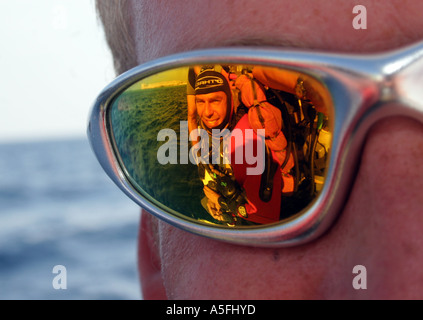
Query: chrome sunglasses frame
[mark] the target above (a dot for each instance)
(364, 89)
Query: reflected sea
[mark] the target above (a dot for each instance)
(58, 207)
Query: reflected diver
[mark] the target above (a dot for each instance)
(252, 198)
(260, 139)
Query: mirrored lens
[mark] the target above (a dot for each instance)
(228, 145)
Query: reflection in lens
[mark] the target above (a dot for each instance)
(231, 145)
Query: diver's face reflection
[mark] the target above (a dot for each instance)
(212, 108)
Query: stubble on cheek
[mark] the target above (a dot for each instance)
(195, 267)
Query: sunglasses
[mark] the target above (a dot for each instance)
(250, 146)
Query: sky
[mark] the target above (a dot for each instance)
(53, 62)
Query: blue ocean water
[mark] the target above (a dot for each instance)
(58, 207)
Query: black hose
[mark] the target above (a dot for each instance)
(287, 124)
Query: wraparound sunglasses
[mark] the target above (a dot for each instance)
(269, 162)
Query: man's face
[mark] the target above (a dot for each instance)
(381, 222)
(212, 108)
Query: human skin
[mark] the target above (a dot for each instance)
(380, 225)
(212, 108)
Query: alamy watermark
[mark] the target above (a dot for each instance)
(360, 280)
(360, 20)
(249, 147)
(60, 281)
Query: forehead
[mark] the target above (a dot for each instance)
(161, 28)
(212, 95)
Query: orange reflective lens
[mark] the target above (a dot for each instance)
(232, 145)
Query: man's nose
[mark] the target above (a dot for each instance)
(381, 226)
(208, 110)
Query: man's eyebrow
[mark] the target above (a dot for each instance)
(278, 42)
(262, 42)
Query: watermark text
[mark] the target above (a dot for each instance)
(360, 20)
(247, 145)
(360, 280)
(60, 281)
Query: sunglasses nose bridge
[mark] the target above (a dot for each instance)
(401, 87)
(408, 83)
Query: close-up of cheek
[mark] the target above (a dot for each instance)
(198, 268)
(380, 223)
(208, 154)
(378, 226)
